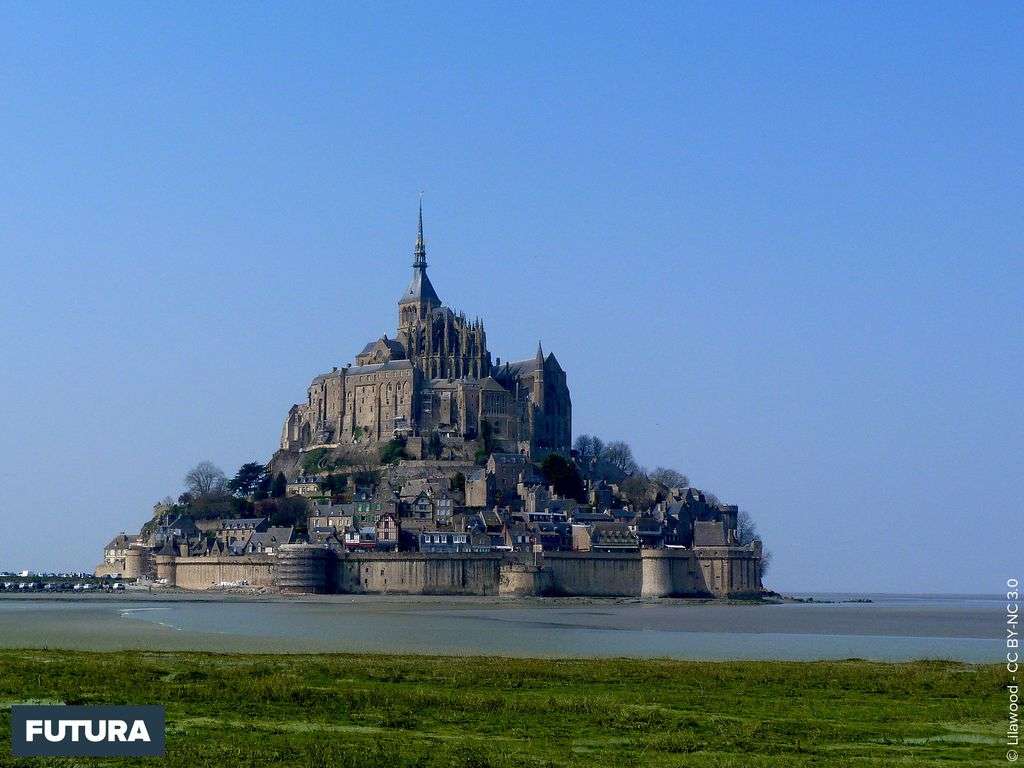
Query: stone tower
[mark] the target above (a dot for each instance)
(420, 297)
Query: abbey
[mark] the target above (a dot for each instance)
(435, 387)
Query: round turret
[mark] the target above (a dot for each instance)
(655, 573)
(303, 568)
(133, 561)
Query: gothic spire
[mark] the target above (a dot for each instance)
(421, 249)
(420, 290)
(540, 353)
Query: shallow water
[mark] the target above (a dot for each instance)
(891, 627)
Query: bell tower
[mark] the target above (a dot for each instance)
(420, 297)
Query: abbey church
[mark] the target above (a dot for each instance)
(435, 387)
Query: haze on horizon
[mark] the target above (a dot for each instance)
(777, 248)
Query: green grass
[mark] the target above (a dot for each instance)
(390, 711)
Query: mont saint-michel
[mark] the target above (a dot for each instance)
(436, 379)
(425, 466)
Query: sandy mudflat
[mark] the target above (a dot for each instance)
(891, 629)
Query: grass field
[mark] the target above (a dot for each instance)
(390, 711)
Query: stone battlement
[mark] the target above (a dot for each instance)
(701, 572)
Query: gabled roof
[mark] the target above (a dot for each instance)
(241, 523)
(394, 346)
(613, 534)
(274, 536)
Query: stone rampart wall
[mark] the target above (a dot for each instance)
(418, 574)
(704, 571)
(211, 572)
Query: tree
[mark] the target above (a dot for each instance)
(334, 484)
(290, 510)
(670, 478)
(218, 507)
(588, 450)
(766, 561)
(205, 480)
(563, 475)
(746, 528)
(619, 455)
(637, 491)
(263, 488)
(434, 445)
(457, 482)
(392, 451)
(248, 479)
(746, 533)
(279, 487)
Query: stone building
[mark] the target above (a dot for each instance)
(435, 385)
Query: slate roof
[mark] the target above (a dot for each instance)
(420, 288)
(390, 365)
(274, 536)
(518, 368)
(612, 535)
(241, 523)
(395, 346)
(708, 533)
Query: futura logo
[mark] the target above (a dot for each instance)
(87, 731)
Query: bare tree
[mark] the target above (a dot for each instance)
(766, 561)
(746, 533)
(746, 528)
(619, 455)
(670, 478)
(588, 450)
(204, 480)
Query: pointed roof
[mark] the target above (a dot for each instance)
(420, 251)
(420, 289)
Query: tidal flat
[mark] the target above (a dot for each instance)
(362, 710)
(887, 628)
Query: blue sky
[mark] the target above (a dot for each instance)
(775, 246)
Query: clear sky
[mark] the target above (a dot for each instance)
(775, 246)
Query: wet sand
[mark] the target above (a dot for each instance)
(892, 628)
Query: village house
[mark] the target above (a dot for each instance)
(266, 542)
(443, 541)
(238, 530)
(116, 549)
(388, 532)
(613, 537)
(307, 487)
(336, 516)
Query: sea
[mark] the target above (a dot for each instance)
(887, 627)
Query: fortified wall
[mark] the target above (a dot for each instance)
(303, 568)
(212, 572)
